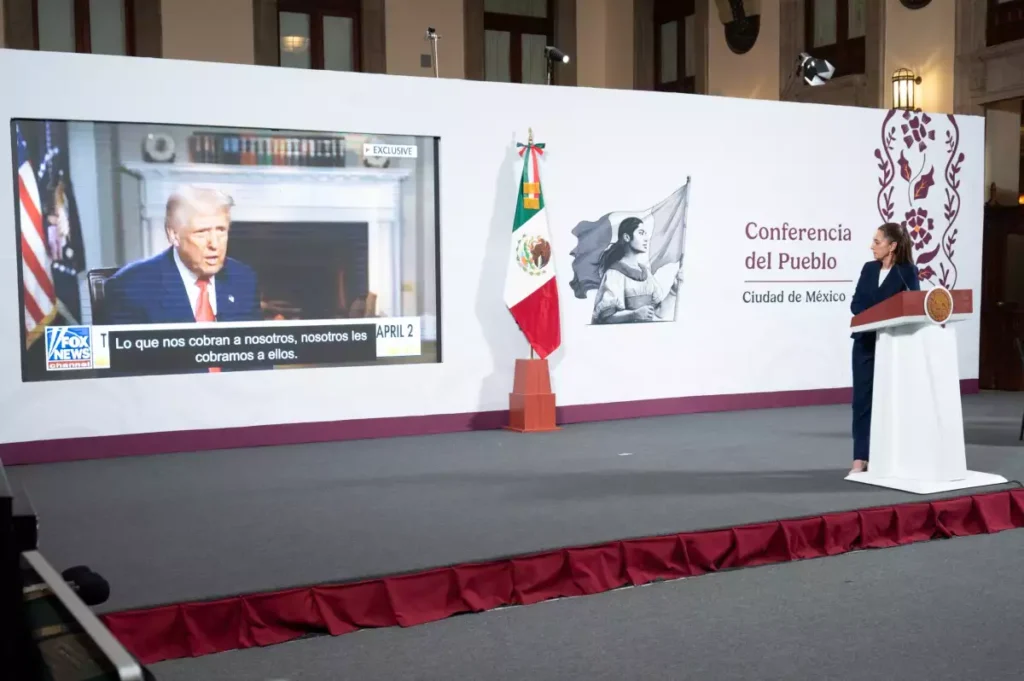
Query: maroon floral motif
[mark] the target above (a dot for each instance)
(933, 251)
(952, 205)
(920, 227)
(884, 199)
(923, 183)
(915, 130)
(905, 172)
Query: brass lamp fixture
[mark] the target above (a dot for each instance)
(294, 43)
(904, 86)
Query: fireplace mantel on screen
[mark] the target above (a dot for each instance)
(293, 194)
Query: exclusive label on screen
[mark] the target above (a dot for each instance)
(390, 150)
(179, 348)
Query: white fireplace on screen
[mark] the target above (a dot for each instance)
(294, 195)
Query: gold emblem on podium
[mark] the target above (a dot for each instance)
(938, 305)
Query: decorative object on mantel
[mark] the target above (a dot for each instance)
(904, 86)
(375, 161)
(158, 147)
(262, 150)
(742, 20)
(915, 4)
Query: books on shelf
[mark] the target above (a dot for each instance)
(265, 150)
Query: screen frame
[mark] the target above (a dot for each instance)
(70, 375)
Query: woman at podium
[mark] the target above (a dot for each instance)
(892, 271)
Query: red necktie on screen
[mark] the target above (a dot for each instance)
(204, 311)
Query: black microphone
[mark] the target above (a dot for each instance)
(90, 587)
(905, 239)
(905, 285)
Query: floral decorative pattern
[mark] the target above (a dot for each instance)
(920, 226)
(912, 135)
(915, 130)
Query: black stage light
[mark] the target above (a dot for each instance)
(555, 54)
(814, 71)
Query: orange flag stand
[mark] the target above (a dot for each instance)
(531, 404)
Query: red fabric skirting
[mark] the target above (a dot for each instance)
(201, 628)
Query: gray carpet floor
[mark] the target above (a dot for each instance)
(179, 527)
(944, 610)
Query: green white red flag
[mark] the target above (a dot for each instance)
(530, 290)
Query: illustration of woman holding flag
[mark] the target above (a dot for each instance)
(629, 291)
(634, 260)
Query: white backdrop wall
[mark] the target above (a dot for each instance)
(769, 163)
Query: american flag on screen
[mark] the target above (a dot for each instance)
(36, 271)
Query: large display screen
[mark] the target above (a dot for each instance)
(162, 249)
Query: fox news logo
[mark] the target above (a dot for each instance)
(68, 347)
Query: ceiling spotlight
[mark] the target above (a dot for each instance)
(555, 54)
(814, 71)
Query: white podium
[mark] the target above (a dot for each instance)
(917, 422)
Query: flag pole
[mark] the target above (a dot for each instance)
(531, 402)
(686, 210)
(529, 143)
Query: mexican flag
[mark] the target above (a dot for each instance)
(530, 290)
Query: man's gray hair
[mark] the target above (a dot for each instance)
(189, 200)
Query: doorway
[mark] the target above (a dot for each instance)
(1002, 299)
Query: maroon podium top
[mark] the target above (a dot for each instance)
(910, 304)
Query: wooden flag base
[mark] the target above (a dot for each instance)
(531, 404)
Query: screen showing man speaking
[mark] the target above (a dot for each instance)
(155, 249)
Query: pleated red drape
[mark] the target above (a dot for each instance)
(201, 628)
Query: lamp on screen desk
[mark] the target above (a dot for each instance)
(917, 421)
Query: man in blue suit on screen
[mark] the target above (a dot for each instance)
(193, 280)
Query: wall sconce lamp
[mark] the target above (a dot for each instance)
(904, 84)
(294, 43)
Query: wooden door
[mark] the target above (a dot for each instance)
(1002, 299)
